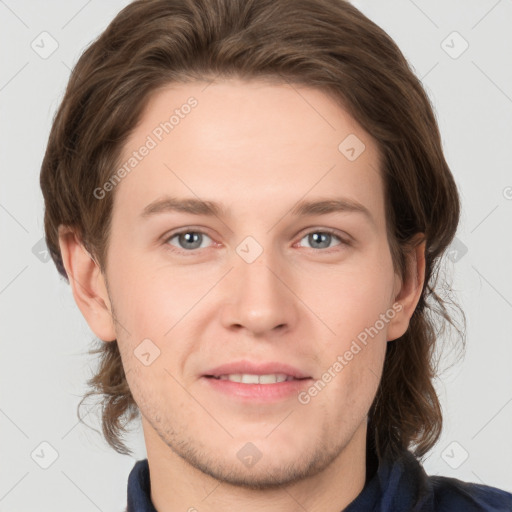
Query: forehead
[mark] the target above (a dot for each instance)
(248, 145)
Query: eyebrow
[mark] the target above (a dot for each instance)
(211, 208)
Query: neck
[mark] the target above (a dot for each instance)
(177, 485)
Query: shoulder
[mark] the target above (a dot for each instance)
(453, 494)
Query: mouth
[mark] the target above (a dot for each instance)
(251, 378)
(252, 382)
(254, 372)
(254, 388)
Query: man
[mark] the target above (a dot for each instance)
(249, 199)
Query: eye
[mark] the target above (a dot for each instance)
(188, 239)
(322, 239)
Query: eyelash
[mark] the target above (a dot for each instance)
(167, 239)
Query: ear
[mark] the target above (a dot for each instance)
(87, 284)
(407, 292)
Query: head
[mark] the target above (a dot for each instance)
(268, 99)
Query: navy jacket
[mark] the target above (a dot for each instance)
(399, 485)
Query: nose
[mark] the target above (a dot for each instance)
(259, 297)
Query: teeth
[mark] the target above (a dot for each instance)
(246, 378)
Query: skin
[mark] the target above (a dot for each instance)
(256, 148)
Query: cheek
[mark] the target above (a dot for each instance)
(146, 295)
(353, 300)
(357, 366)
(356, 306)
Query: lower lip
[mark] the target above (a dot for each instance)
(258, 392)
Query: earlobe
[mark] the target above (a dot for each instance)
(87, 284)
(409, 291)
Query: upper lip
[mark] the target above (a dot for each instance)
(255, 368)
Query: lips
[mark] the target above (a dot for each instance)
(255, 368)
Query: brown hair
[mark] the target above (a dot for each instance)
(324, 44)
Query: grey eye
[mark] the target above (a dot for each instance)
(320, 239)
(188, 239)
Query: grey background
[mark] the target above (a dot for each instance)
(44, 363)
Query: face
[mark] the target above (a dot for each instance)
(266, 283)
